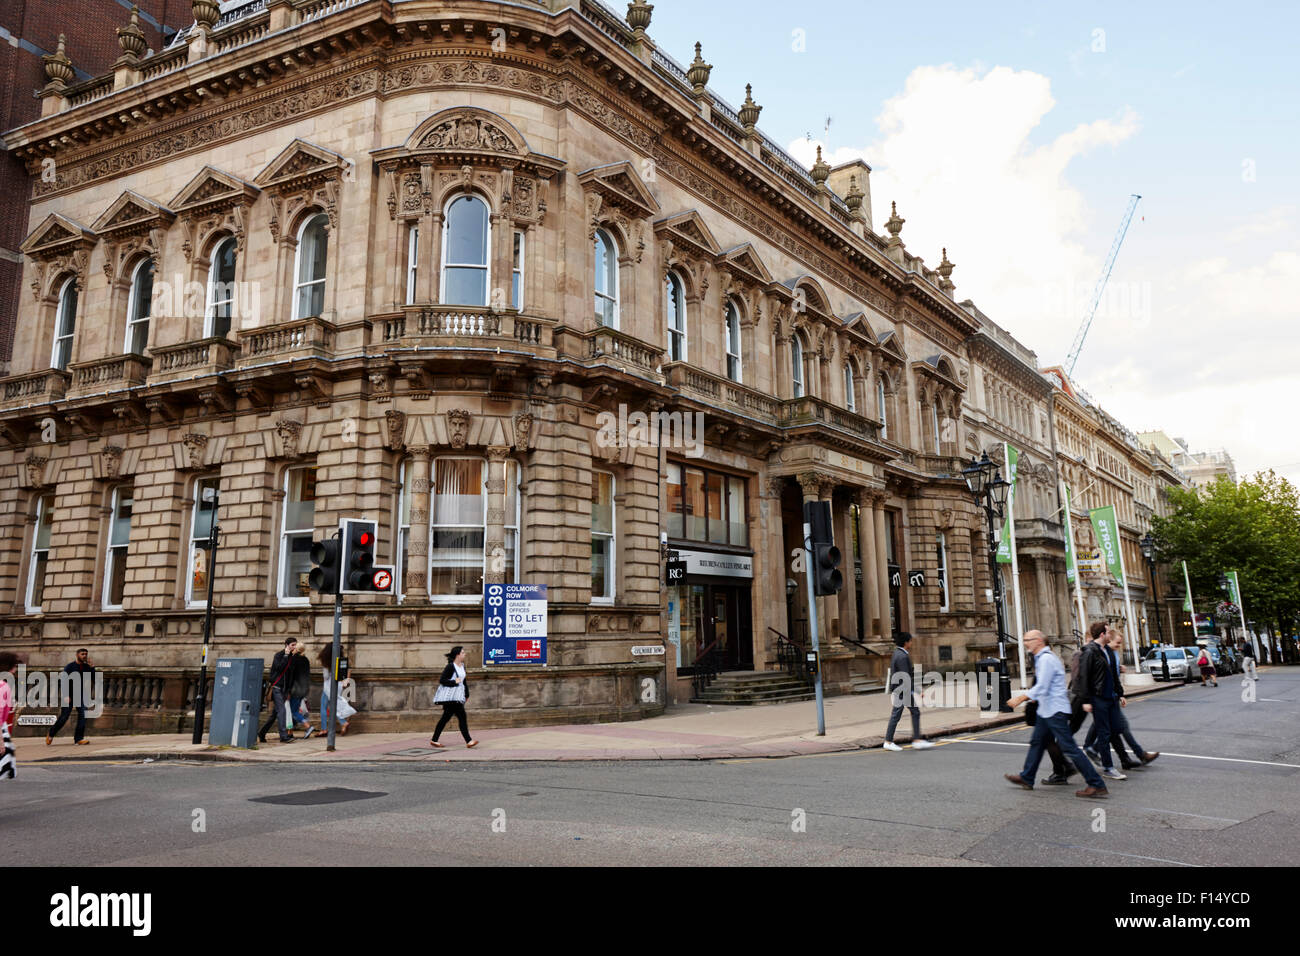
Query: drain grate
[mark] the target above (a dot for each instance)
(412, 752)
(311, 798)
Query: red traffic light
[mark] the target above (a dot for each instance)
(365, 539)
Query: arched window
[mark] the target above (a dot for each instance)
(309, 288)
(733, 342)
(64, 324)
(675, 304)
(465, 243)
(606, 280)
(796, 365)
(850, 400)
(941, 572)
(881, 410)
(412, 262)
(221, 290)
(138, 306)
(934, 423)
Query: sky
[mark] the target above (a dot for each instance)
(1014, 134)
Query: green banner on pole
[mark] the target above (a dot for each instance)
(1106, 527)
(1234, 587)
(1004, 541)
(1187, 583)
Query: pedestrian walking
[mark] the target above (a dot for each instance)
(80, 671)
(8, 764)
(277, 695)
(326, 660)
(1120, 730)
(1083, 674)
(1052, 721)
(299, 680)
(1105, 710)
(901, 691)
(1164, 666)
(1206, 664)
(452, 693)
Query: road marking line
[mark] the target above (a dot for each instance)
(1163, 753)
(1131, 856)
(1179, 813)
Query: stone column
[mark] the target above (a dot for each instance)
(494, 544)
(848, 598)
(810, 483)
(777, 572)
(781, 388)
(882, 564)
(870, 576)
(1064, 597)
(417, 546)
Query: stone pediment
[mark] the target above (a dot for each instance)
(620, 186)
(132, 213)
(212, 187)
(687, 230)
(811, 292)
(891, 346)
(467, 129)
(55, 236)
(298, 163)
(744, 261)
(857, 322)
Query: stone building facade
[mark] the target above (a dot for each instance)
(514, 282)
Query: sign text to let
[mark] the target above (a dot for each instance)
(514, 624)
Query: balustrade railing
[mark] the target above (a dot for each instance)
(213, 354)
(47, 385)
(266, 343)
(722, 391)
(122, 371)
(809, 410)
(613, 344)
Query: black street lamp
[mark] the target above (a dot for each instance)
(1148, 545)
(989, 489)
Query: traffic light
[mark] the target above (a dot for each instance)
(324, 577)
(360, 574)
(827, 578)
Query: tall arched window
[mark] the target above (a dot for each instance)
(221, 290)
(733, 342)
(138, 307)
(796, 365)
(850, 400)
(934, 423)
(64, 325)
(606, 280)
(466, 240)
(881, 410)
(309, 288)
(675, 304)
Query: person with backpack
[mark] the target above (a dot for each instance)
(1206, 664)
(276, 693)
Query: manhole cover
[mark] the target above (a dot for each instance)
(309, 798)
(412, 752)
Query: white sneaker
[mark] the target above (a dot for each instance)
(1113, 774)
(921, 745)
(890, 745)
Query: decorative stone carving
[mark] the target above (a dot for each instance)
(306, 624)
(112, 460)
(159, 626)
(289, 430)
(409, 623)
(523, 431)
(35, 469)
(131, 38)
(195, 443)
(468, 132)
(74, 630)
(372, 623)
(396, 428)
(458, 427)
(250, 625)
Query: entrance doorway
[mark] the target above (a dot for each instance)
(716, 618)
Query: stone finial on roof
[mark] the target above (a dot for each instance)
(58, 68)
(749, 110)
(945, 270)
(853, 198)
(206, 12)
(821, 169)
(131, 38)
(638, 17)
(698, 72)
(895, 222)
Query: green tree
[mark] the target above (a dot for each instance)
(1252, 528)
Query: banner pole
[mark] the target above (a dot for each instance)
(1015, 564)
(1078, 575)
(1241, 609)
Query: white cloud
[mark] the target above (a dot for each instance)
(1204, 349)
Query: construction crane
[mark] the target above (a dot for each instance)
(1082, 334)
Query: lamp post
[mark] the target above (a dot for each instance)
(1148, 545)
(989, 489)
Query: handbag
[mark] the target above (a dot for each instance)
(1031, 713)
(449, 695)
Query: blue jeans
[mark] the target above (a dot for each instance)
(1057, 727)
(1105, 720)
(294, 704)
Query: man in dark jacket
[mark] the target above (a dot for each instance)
(903, 694)
(299, 684)
(81, 672)
(1087, 676)
(279, 693)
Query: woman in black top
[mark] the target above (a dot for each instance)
(452, 693)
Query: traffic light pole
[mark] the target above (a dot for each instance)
(813, 625)
(201, 698)
(334, 684)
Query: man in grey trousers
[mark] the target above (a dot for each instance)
(903, 694)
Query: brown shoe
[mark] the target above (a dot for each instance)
(48, 740)
(1019, 781)
(1147, 758)
(434, 743)
(1093, 793)
(472, 744)
(79, 742)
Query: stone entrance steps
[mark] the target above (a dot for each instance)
(747, 687)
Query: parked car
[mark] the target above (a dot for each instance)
(1231, 659)
(1182, 663)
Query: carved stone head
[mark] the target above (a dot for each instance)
(458, 427)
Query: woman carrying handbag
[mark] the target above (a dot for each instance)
(452, 693)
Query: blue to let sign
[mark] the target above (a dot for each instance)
(514, 623)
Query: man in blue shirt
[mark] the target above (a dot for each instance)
(1053, 720)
